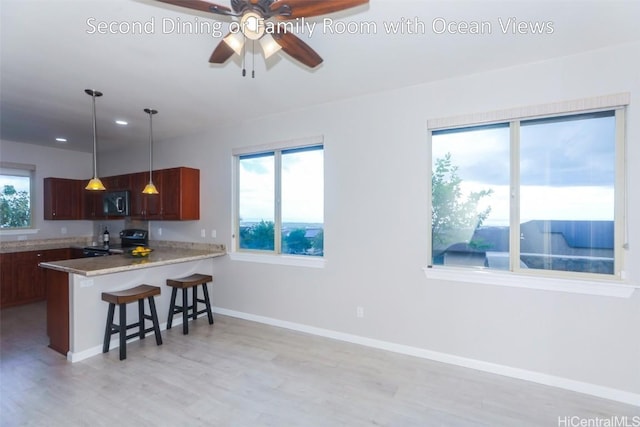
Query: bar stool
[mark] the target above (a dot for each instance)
(122, 298)
(185, 283)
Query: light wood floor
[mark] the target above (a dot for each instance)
(240, 373)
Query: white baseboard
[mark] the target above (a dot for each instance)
(523, 374)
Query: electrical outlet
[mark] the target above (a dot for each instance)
(203, 233)
(160, 231)
(63, 230)
(360, 312)
(214, 233)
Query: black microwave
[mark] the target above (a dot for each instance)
(116, 203)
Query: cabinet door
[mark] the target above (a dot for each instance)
(145, 206)
(28, 284)
(154, 201)
(181, 194)
(61, 199)
(138, 203)
(170, 194)
(7, 280)
(56, 254)
(93, 207)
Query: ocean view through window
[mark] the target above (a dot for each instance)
(280, 201)
(530, 194)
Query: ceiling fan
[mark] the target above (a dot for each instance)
(253, 15)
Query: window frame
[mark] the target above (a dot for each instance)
(617, 284)
(24, 170)
(275, 256)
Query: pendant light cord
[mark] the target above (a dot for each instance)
(150, 145)
(95, 137)
(151, 112)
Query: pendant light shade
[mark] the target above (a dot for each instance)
(94, 183)
(150, 188)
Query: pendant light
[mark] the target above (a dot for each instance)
(94, 183)
(150, 188)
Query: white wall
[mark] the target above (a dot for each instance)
(377, 218)
(49, 162)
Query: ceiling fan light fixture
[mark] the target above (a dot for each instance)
(94, 183)
(269, 45)
(252, 25)
(150, 188)
(235, 41)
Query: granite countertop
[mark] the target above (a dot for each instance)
(43, 244)
(97, 266)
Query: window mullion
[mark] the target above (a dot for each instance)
(514, 196)
(277, 232)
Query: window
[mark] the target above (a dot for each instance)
(525, 195)
(16, 196)
(280, 199)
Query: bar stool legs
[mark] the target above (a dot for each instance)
(122, 298)
(184, 284)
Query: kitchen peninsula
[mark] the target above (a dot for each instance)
(76, 314)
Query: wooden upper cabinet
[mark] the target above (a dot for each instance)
(179, 197)
(92, 205)
(136, 201)
(61, 199)
(180, 194)
(144, 206)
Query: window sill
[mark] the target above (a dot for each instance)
(586, 287)
(296, 261)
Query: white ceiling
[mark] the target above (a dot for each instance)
(48, 58)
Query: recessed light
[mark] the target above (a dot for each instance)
(122, 122)
(61, 139)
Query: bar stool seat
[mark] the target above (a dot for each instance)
(122, 298)
(184, 283)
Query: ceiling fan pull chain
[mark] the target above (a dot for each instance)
(244, 56)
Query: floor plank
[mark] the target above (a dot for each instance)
(241, 373)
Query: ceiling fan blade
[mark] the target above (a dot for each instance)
(291, 9)
(298, 49)
(221, 53)
(201, 5)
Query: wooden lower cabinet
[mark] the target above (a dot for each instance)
(21, 280)
(7, 280)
